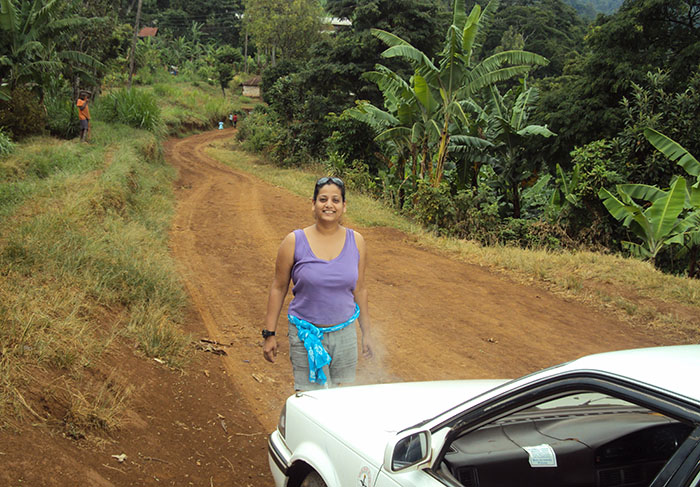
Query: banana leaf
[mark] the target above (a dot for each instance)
(674, 151)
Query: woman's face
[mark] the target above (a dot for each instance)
(329, 205)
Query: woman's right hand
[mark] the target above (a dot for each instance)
(270, 348)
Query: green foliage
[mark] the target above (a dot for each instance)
(433, 206)
(289, 27)
(424, 111)
(258, 132)
(34, 36)
(550, 28)
(657, 224)
(655, 105)
(596, 169)
(583, 103)
(133, 107)
(62, 116)
(23, 115)
(531, 234)
(6, 144)
(226, 59)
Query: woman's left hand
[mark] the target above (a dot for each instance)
(367, 346)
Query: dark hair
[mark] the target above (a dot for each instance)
(324, 181)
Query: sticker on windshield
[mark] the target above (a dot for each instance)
(541, 456)
(364, 479)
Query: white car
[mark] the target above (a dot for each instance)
(627, 419)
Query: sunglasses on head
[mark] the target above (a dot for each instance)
(326, 180)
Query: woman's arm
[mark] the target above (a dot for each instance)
(278, 291)
(361, 298)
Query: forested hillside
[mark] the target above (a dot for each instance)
(511, 122)
(590, 8)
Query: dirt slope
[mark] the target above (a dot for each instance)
(433, 317)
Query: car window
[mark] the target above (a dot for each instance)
(582, 439)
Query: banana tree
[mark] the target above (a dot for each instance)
(564, 195)
(508, 129)
(32, 31)
(674, 151)
(657, 224)
(408, 121)
(456, 76)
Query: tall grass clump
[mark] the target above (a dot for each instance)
(62, 116)
(134, 107)
(84, 265)
(6, 144)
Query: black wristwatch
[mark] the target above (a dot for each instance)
(267, 333)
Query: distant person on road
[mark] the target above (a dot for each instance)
(230, 119)
(83, 114)
(235, 120)
(326, 263)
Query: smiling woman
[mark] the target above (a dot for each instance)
(326, 263)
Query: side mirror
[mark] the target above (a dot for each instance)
(408, 451)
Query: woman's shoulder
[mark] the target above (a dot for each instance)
(358, 236)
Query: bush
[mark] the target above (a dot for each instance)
(257, 131)
(432, 206)
(132, 107)
(530, 234)
(62, 117)
(6, 144)
(23, 115)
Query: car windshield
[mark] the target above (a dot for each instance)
(582, 439)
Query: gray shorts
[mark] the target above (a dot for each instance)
(84, 124)
(342, 347)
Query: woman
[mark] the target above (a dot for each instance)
(326, 263)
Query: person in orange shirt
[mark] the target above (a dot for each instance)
(83, 114)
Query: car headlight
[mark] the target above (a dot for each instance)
(282, 423)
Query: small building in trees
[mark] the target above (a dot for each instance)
(251, 88)
(148, 32)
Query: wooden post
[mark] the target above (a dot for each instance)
(133, 42)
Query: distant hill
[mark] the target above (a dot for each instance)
(590, 8)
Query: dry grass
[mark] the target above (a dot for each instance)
(84, 263)
(631, 289)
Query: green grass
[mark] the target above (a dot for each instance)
(631, 289)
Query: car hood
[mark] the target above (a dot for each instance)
(364, 418)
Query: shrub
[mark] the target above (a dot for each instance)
(6, 144)
(432, 206)
(530, 234)
(132, 107)
(257, 131)
(62, 117)
(23, 115)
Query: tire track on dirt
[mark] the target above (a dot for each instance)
(433, 316)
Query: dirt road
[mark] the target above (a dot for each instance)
(433, 316)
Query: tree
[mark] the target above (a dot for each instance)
(669, 217)
(584, 104)
(226, 59)
(286, 26)
(440, 89)
(550, 28)
(34, 53)
(507, 129)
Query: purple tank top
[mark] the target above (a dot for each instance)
(323, 289)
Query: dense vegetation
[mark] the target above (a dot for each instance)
(455, 119)
(509, 122)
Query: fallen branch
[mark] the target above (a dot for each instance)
(153, 459)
